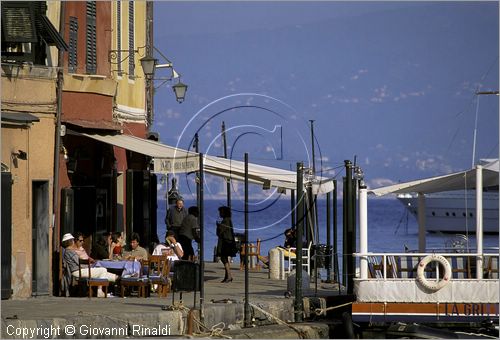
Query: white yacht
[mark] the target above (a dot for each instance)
(455, 211)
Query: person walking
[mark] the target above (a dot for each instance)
(175, 216)
(189, 228)
(226, 245)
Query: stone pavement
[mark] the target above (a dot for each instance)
(98, 317)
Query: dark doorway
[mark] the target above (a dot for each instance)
(40, 238)
(6, 235)
(141, 205)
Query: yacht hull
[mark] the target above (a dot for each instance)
(455, 212)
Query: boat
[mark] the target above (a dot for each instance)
(455, 211)
(457, 289)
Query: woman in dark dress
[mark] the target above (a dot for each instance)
(226, 246)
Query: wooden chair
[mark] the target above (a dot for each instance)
(141, 282)
(158, 273)
(460, 267)
(491, 267)
(67, 282)
(90, 281)
(407, 266)
(306, 259)
(253, 251)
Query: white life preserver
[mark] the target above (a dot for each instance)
(431, 284)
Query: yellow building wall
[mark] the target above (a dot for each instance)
(34, 93)
(130, 99)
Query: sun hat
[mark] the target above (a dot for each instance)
(67, 237)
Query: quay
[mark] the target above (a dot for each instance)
(116, 317)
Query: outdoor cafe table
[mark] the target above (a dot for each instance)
(124, 267)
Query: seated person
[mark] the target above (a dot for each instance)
(100, 250)
(82, 253)
(116, 245)
(72, 260)
(173, 249)
(290, 238)
(135, 251)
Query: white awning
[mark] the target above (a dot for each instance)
(168, 159)
(454, 181)
(260, 174)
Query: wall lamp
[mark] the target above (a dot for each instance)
(150, 65)
(14, 156)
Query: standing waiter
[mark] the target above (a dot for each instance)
(175, 216)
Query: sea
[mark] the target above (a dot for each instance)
(391, 228)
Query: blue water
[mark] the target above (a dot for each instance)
(390, 227)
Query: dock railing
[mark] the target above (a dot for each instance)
(387, 266)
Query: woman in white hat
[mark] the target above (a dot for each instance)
(72, 260)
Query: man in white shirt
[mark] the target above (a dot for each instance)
(173, 249)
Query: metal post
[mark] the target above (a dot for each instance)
(196, 145)
(335, 250)
(328, 237)
(300, 227)
(149, 52)
(479, 221)
(202, 232)
(312, 147)
(292, 206)
(344, 232)
(363, 231)
(350, 227)
(228, 181)
(247, 321)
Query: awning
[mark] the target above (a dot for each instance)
(169, 159)
(260, 174)
(455, 181)
(19, 117)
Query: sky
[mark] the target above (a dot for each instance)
(389, 85)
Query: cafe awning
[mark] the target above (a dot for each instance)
(169, 159)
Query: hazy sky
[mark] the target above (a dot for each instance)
(391, 83)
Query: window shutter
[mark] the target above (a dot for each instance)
(119, 34)
(73, 44)
(131, 47)
(91, 51)
(18, 22)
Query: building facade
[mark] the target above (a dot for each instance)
(30, 45)
(72, 83)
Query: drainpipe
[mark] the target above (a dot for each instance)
(55, 194)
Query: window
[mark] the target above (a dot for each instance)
(131, 64)
(73, 44)
(26, 32)
(91, 52)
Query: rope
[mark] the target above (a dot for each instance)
(320, 311)
(279, 321)
(215, 331)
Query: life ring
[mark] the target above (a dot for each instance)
(430, 284)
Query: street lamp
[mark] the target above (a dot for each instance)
(180, 91)
(148, 64)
